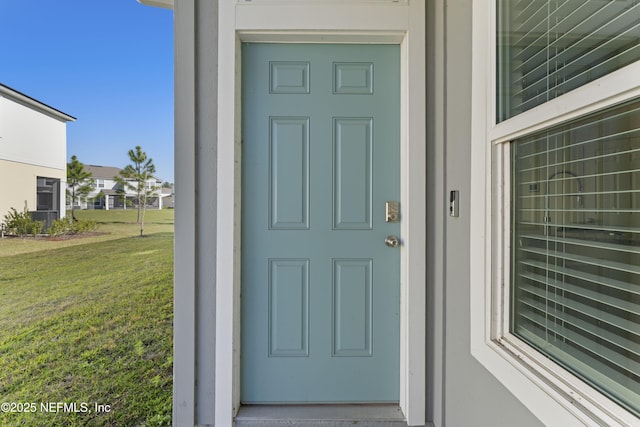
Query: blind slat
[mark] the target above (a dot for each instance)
(589, 227)
(580, 53)
(586, 293)
(588, 243)
(577, 210)
(588, 345)
(565, 163)
(590, 369)
(595, 175)
(550, 49)
(587, 261)
(626, 56)
(573, 18)
(558, 40)
(583, 309)
(573, 194)
(619, 341)
(530, 17)
(586, 126)
(605, 282)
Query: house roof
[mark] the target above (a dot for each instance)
(21, 98)
(105, 172)
(102, 172)
(165, 4)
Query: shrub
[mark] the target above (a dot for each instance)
(83, 226)
(59, 227)
(64, 226)
(21, 223)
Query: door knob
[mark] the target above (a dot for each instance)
(392, 241)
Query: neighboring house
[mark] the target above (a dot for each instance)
(167, 197)
(107, 193)
(503, 290)
(33, 152)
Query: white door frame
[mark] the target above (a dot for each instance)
(322, 21)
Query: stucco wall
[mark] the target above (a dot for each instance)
(18, 182)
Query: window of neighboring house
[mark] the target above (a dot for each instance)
(100, 183)
(572, 215)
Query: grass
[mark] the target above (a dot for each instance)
(88, 321)
(111, 224)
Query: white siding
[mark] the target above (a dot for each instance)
(28, 136)
(18, 183)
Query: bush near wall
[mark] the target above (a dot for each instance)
(21, 224)
(63, 226)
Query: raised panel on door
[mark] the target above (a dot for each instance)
(320, 289)
(352, 173)
(288, 307)
(352, 308)
(289, 172)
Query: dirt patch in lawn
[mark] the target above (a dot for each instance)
(44, 237)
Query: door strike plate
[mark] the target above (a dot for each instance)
(454, 203)
(393, 211)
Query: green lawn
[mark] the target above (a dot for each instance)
(88, 321)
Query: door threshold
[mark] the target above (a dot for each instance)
(370, 415)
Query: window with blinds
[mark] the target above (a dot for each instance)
(548, 48)
(576, 248)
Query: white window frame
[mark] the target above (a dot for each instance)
(553, 394)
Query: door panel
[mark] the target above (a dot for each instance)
(288, 307)
(352, 173)
(289, 173)
(352, 307)
(320, 158)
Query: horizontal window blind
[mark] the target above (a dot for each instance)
(548, 48)
(576, 248)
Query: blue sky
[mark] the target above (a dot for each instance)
(109, 63)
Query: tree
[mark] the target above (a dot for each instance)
(136, 178)
(79, 182)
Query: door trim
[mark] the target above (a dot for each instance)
(391, 23)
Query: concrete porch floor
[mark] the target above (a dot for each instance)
(320, 416)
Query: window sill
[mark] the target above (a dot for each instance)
(554, 395)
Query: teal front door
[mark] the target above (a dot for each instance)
(320, 162)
